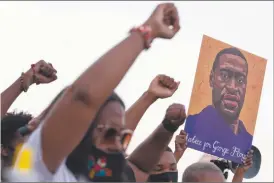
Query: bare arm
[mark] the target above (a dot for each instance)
(77, 107)
(148, 153)
(137, 110)
(242, 169)
(161, 86)
(80, 102)
(13, 91)
(239, 175)
(178, 155)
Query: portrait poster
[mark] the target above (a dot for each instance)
(225, 100)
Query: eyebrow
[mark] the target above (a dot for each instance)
(237, 73)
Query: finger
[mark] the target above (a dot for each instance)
(180, 141)
(167, 20)
(175, 17)
(47, 71)
(182, 132)
(173, 84)
(54, 76)
(52, 67)
(43, 70)
(180, 137)
(177, 85)
(160, 9)
(168, 13)
(170, 82)
(247, 162)
(165, 80)
(43, 79)
(38, 65)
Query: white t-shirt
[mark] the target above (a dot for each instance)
(38, 170)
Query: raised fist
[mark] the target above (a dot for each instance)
(176, 114)
(163, 86)
(42, 72)
(181, 142)
(164, 21)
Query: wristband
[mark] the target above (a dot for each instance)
(169, 126)
(24, 87)
(145, 30)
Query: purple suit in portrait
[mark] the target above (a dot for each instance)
(209, 126)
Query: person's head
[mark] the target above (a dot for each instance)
(103, 145)
(203, 172)
(228, 80)
(166, 169)
(10, 137)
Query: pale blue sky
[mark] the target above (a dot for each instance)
(72, 35)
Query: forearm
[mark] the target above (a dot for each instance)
(9, 96)
(100, 79)
(239, 175)
(178, 155)
(148, 153)
(138, 109)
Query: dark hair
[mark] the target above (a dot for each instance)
(168, 149)
(10, 123)
(77, 160)
(232, 51)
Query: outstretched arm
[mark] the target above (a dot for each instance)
(138, 109)
(24, 82)
(162, 86)
(79, 104)
(241, 170)
(148, 153)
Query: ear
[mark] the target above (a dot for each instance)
(211, 78)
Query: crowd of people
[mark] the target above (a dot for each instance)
(84, 133)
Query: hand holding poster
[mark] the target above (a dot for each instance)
(225, 100)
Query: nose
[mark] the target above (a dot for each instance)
(231, 86)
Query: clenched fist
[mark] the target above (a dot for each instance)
(181, 142)
(176, 114)
(164, 21)
(163, 86)
(41, 72)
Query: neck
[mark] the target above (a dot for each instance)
(233, 123)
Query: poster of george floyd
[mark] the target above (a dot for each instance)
(225, 100)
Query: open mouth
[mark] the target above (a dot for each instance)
(230, 102)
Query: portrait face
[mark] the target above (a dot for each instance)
(228, 82)
(110, 133)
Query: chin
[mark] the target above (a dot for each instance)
(230, 114)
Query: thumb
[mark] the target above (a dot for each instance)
(177, 85)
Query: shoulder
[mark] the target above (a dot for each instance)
(244, 131)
